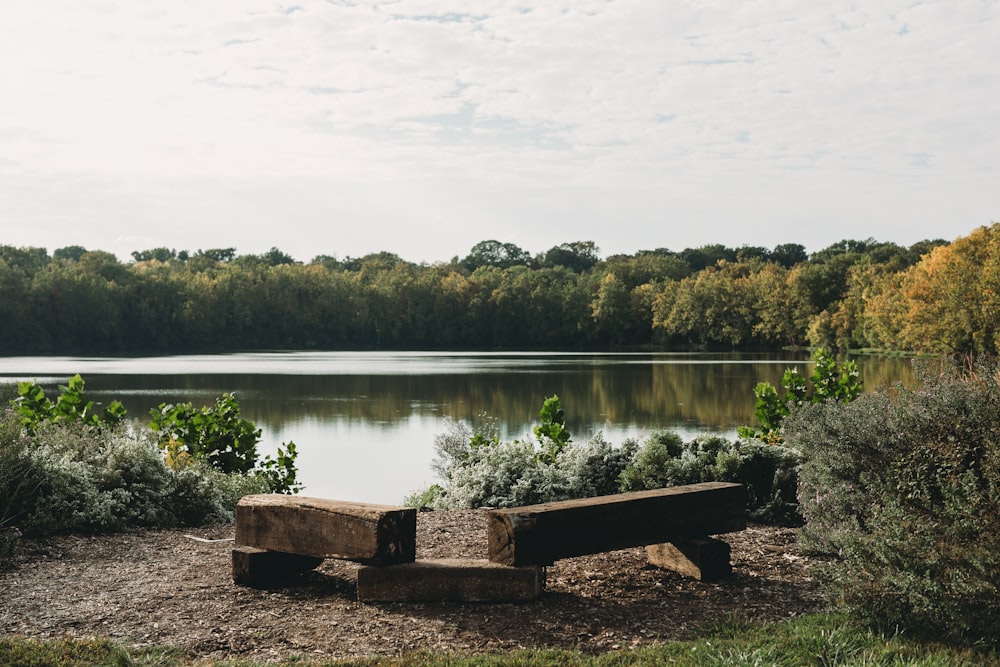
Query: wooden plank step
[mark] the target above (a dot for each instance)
(704, 558)
(362, 532)
(450, 580)
(260, 567)
(542, 534)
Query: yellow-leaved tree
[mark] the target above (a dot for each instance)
(952, 296)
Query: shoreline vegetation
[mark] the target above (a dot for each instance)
(931, 297)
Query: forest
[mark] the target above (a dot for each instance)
(933, 296)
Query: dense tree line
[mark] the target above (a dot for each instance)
(933, 295)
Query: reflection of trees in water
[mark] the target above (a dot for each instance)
(710, 395)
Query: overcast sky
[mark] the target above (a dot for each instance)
(424, 126)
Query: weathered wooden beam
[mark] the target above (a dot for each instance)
(370, 534)
(542, 534)
(450, 580)
(259, 567)
(703, 558)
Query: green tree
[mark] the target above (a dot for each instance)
(495, 253)
(715, 306)
(707, 256)
(158, 254)
(577, 256)
(71, 253)
(27, 261)
(217, 254)
(789, 254)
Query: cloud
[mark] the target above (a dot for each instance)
(581, 114)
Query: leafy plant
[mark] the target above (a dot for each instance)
(281, 473)
(551, 432)
(215, 434)
(71, 477)
(218, 436)
(34, 407)
(830, 381)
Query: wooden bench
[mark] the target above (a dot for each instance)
(673, 523)
(279, 536)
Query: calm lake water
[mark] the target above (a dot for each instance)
(364, 422)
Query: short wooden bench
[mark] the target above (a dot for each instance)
(673, 523)
(278, 536)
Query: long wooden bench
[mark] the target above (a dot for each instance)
(682, 517)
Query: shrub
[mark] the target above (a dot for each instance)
(769, 472)
(70, 477)
(15, 475)
(218, 436)
(901, 487)
(479, 470)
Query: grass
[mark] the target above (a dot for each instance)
(817, 639)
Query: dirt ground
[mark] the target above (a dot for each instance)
(166, 588)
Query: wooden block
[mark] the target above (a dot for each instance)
(370, 534)
(453, 580)
(259, 567)
(542, 534)
(703, 558)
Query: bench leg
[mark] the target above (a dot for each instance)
(704, 558)
(260, 567)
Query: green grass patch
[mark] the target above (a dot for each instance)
(84, 653)
(817, 639)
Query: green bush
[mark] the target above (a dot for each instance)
(479, 470)
(70, 477)
(218, 436)
(35, 408)
(769, 472)
(901, 487)
(830, 382)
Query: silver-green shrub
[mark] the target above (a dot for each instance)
(769, 472)
(73, 477)
(480, 470)
(901, 489)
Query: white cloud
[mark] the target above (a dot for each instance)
(633, 123)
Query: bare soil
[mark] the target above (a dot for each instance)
(165, 588)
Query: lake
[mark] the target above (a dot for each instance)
(364, 422)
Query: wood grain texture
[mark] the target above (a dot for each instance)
(450, 580)
(542, 534)
(362, 532)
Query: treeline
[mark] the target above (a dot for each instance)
(933, 295)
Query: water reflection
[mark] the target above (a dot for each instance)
(365, 422)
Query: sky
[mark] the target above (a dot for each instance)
(421, 127)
